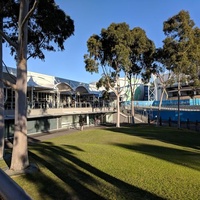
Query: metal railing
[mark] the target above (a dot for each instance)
(174, 107)
(10, 189)
(44, 104)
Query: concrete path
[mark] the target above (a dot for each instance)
(45, 136)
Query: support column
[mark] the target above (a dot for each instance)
(87, 120)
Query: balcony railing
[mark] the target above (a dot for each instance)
(78, 108)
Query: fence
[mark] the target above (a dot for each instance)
(195, 126)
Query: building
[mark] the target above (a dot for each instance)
(55, 103)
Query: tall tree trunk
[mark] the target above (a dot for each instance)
(1, 95)
(179, 94)
(132, 102)
(118, 112)
(132, 110)
(20, 159)
(159, 107)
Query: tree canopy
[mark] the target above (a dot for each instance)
(181, 47)
(48, 27)
(142, 51)
(109, 50)
(119, 49)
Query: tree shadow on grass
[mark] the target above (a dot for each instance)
(177, 156)
(81, 177)
(164, 134)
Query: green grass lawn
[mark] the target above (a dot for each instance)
(141, 162)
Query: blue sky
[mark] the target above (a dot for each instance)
(90, 16)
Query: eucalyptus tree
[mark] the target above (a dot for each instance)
(164, 76)
(4, 12)
(1, 96)
(142, 51)
(110, 52)
(29, 28)
(181, 50)
(194, 55)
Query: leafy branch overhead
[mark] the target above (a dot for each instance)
(48, 25)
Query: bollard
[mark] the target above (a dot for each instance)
(160, 121)
(196, 125)
(188, 124)
(148, 119)
(170, 121)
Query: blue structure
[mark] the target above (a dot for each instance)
(192, 114)
(189, 102)
(189, 109)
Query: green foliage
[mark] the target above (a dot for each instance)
(91, 65)
(108, 50)
(179, 26)
(118, 48)
(181, 48)
(106, 81)
(47, 26)
(106, 95)
(142, 52)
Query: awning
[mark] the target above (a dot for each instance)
(39, 83)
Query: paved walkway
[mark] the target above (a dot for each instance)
(34, 138)
(45, 136)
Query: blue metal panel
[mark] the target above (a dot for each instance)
(193, 116)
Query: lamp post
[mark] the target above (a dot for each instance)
(179, 119)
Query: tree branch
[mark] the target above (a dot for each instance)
(29, 13)
(34, 54)
(8, 83)
(8, 39)
(122, 88)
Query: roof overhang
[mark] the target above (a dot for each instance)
(63, 87)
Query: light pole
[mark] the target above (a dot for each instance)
(179, 119)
